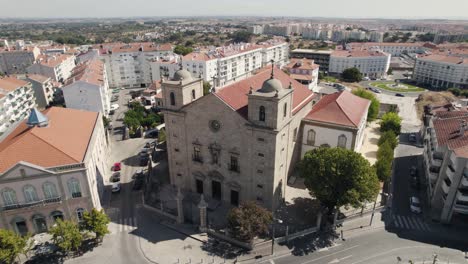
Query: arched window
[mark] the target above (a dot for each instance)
(342, 141)
(193, 94)
(261, 113)
(285, 109)
(49, 190)
(30, 194)
(80, 214)
(172, 98)
(311, 137)
(74, 188)
(9, 197)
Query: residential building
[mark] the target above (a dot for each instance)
(16, 100)
(223, 65)
(376, 36)
(52, 167)
(457, 37)
(129, 65)
(58, 67)
(394, 49)
(164, 67)
(441, 71)
(43, 88)
(304, 71)
(337, 120)
(14, 60)
(446, 164)
(320, 57)
(88, 88)
(256, 29)
(277, 30)
(238, 143)
(373, 64)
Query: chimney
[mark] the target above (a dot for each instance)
(462, 128)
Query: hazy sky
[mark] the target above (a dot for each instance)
(305, 8)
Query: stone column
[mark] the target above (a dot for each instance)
(202, 206)
(180, 207)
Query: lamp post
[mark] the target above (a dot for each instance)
(273, 234)
(373, 209)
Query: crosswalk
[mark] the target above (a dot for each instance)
(409, 222)
(123, 225)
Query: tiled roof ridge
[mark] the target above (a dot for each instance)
(339, 105)
(48, 143)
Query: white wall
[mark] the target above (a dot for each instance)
(324, 135)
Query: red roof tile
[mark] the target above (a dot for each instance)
(447, 130)
(235, 95)
(342, 108)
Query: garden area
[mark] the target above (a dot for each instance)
(397, 87)
(139, 119)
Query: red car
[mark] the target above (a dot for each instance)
(117, 166)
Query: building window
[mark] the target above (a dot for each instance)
(80, 214)
(342, 141)
(260, 186)
(30, 194)
(193, 94)
(234, 166)
(197, 154)
(259, 171)
(285, 109)
(261, 155)
(9, 197)
(261, 114)
(172, 98)
(74, 188)
(311, 137)
(49, 190)
(261, 139)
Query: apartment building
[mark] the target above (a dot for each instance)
(88, 88)
(129, 65)
(43, 88)
(14, 60)
(441, 71)
(394, 49)
(373, 64)
(58, 67)
(16, 100)
(223, 65)
(164, 67)
(52, 167)
(256, 29)
(446, 164)
(277, 30)
(304, 71)
(320, 57)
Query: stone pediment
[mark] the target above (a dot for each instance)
(22, 170)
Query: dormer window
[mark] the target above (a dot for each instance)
(261, 114)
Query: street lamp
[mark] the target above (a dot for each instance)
(279, 221)
(373, 209)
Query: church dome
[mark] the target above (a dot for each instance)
(271, 85)
(182, 75)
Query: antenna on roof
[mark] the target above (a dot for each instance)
(272, 68)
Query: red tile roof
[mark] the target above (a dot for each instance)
(301, 64)
(91, 71)
(235, 95)
(342, 108)
(447, 131)
(11, 83)
(64, 141)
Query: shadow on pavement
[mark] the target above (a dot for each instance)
(308, 244)
(222, 249)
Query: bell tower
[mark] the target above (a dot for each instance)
(181, 90)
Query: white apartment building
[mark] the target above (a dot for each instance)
(256, 29)
(224, 65)
(441, 71)
(394, 49)
(304, 71)
(374, 64)
(446, 164)
(16, 100)
(43, 88)
(88, 88)
(58, 67)
(52, 168)
(376, 36)
(277, 30)
(128, 65)
(14, 60)
(164, 67)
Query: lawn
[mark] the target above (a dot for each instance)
(386, 86)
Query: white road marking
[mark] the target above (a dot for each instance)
(337, 260)
(271, 261)
(313, 260)
(395, 220)
(405, 223)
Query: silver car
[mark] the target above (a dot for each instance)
(415, 205)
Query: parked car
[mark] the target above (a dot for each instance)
(412, 137)
(111, 112)
(399, 95)
(144, 158)
(116, 90)
(117, 166)
(415, 205)
(114, 98)
(116, 187)
(366, 78)
(114, 107)
(152, 133)
(138, 183)
(115, 177)
(138, 174)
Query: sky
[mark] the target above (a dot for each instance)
(300, 8)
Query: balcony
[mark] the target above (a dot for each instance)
(462, 196)
(464, 182)
(196, 158)
(445, 188)
(32, 204)
(233, 167)
(461, 208)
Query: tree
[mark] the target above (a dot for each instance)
(206, 87)
(391, 121)
(455, 91)
(339, 177)
(182, 50)
(352, 75)
(11, 245)
(66, 235)
(388, 137)
(241, 36)
(374, 107)
(105, 121)
(383, 169)
(248, 220)
(96, 222)
(390, 71)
